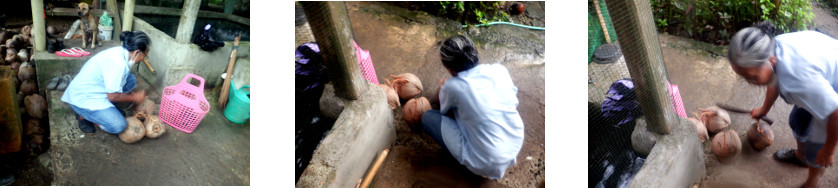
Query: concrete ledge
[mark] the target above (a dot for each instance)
(677, 160)
(141, 9)
(365, 127)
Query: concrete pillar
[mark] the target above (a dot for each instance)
(330, 25)
(639, 43)
(187, 20)
(38, 28)
(128, 15)
(229, 6)
(113, 10)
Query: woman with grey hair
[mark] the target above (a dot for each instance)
(478, 120)
(802, 68)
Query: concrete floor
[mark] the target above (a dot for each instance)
(216, 153)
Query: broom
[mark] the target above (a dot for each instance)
(225, 89)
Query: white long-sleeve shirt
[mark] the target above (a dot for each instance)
(487, 132)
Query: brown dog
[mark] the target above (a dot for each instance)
(88, 26)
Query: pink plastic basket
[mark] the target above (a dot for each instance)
(365, 63)
(184, 105)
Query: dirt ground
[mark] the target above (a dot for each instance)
(704, 78)
(406, 41)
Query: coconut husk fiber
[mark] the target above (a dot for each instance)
(726, 144)
(760, 136)
(407, 85)
(414, 109)
(715, 118)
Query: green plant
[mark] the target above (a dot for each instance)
(473, 11)
(661, 23)
(714, 20)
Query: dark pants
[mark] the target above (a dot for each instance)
(799, 121)
(432, 124)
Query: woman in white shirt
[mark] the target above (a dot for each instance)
(802, 68)
(104, 80)
(478, 121)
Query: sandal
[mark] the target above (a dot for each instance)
(65, 81)
(67, 53)
(80, 51)
(789, 156)
(85, 126)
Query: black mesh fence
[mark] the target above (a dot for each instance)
(620, 38)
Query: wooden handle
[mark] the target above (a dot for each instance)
(149, 66)
(374, 169)
(743, 111)
(602, 22)
(225, 89)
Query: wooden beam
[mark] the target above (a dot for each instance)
(639, 43)
(38, 29)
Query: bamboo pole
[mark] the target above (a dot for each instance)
(602, 22)
(374, 169)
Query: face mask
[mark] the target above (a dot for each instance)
(131, 60)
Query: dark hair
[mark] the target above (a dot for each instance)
(458, 53)
(136, 40)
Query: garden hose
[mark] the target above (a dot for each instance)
(507, 23)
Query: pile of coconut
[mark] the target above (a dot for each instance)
(16, 52)
(726, 142)
(143, 124)
(407, 86)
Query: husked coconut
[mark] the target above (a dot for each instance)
(700, 129)
(392, 97)
(35, 106)
(35, 145)
(33, 127)
(414, 109)
(145, 108)
(407, 85)
(154, 127)
(23, 55)
(714, 118)
(134, 131)
(726, 144)
(28, 87)
(26, 30)
(11, 55)
(26, 71)
(760, 136)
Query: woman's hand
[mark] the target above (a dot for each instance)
(758, 112)
(824, 158)
(139, 96)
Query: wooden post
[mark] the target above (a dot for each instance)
(128, 15)
(187, 20)
(113, 10)
(330, 25)
(641, 48)
(38, 28)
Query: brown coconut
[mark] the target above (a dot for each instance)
(28, 87)
(26, 30)
(11, 55)
(33, 127)
(11, 43)
(35, 106)
(414, 109)
(407, 85)
(700, 129)
(144, 109)
(714, 118)
(26, 71)
(154, 127)
(726, 144)
(23, 55)
(392, 97)
(134, 131)
(760, 136)
(35, 145)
